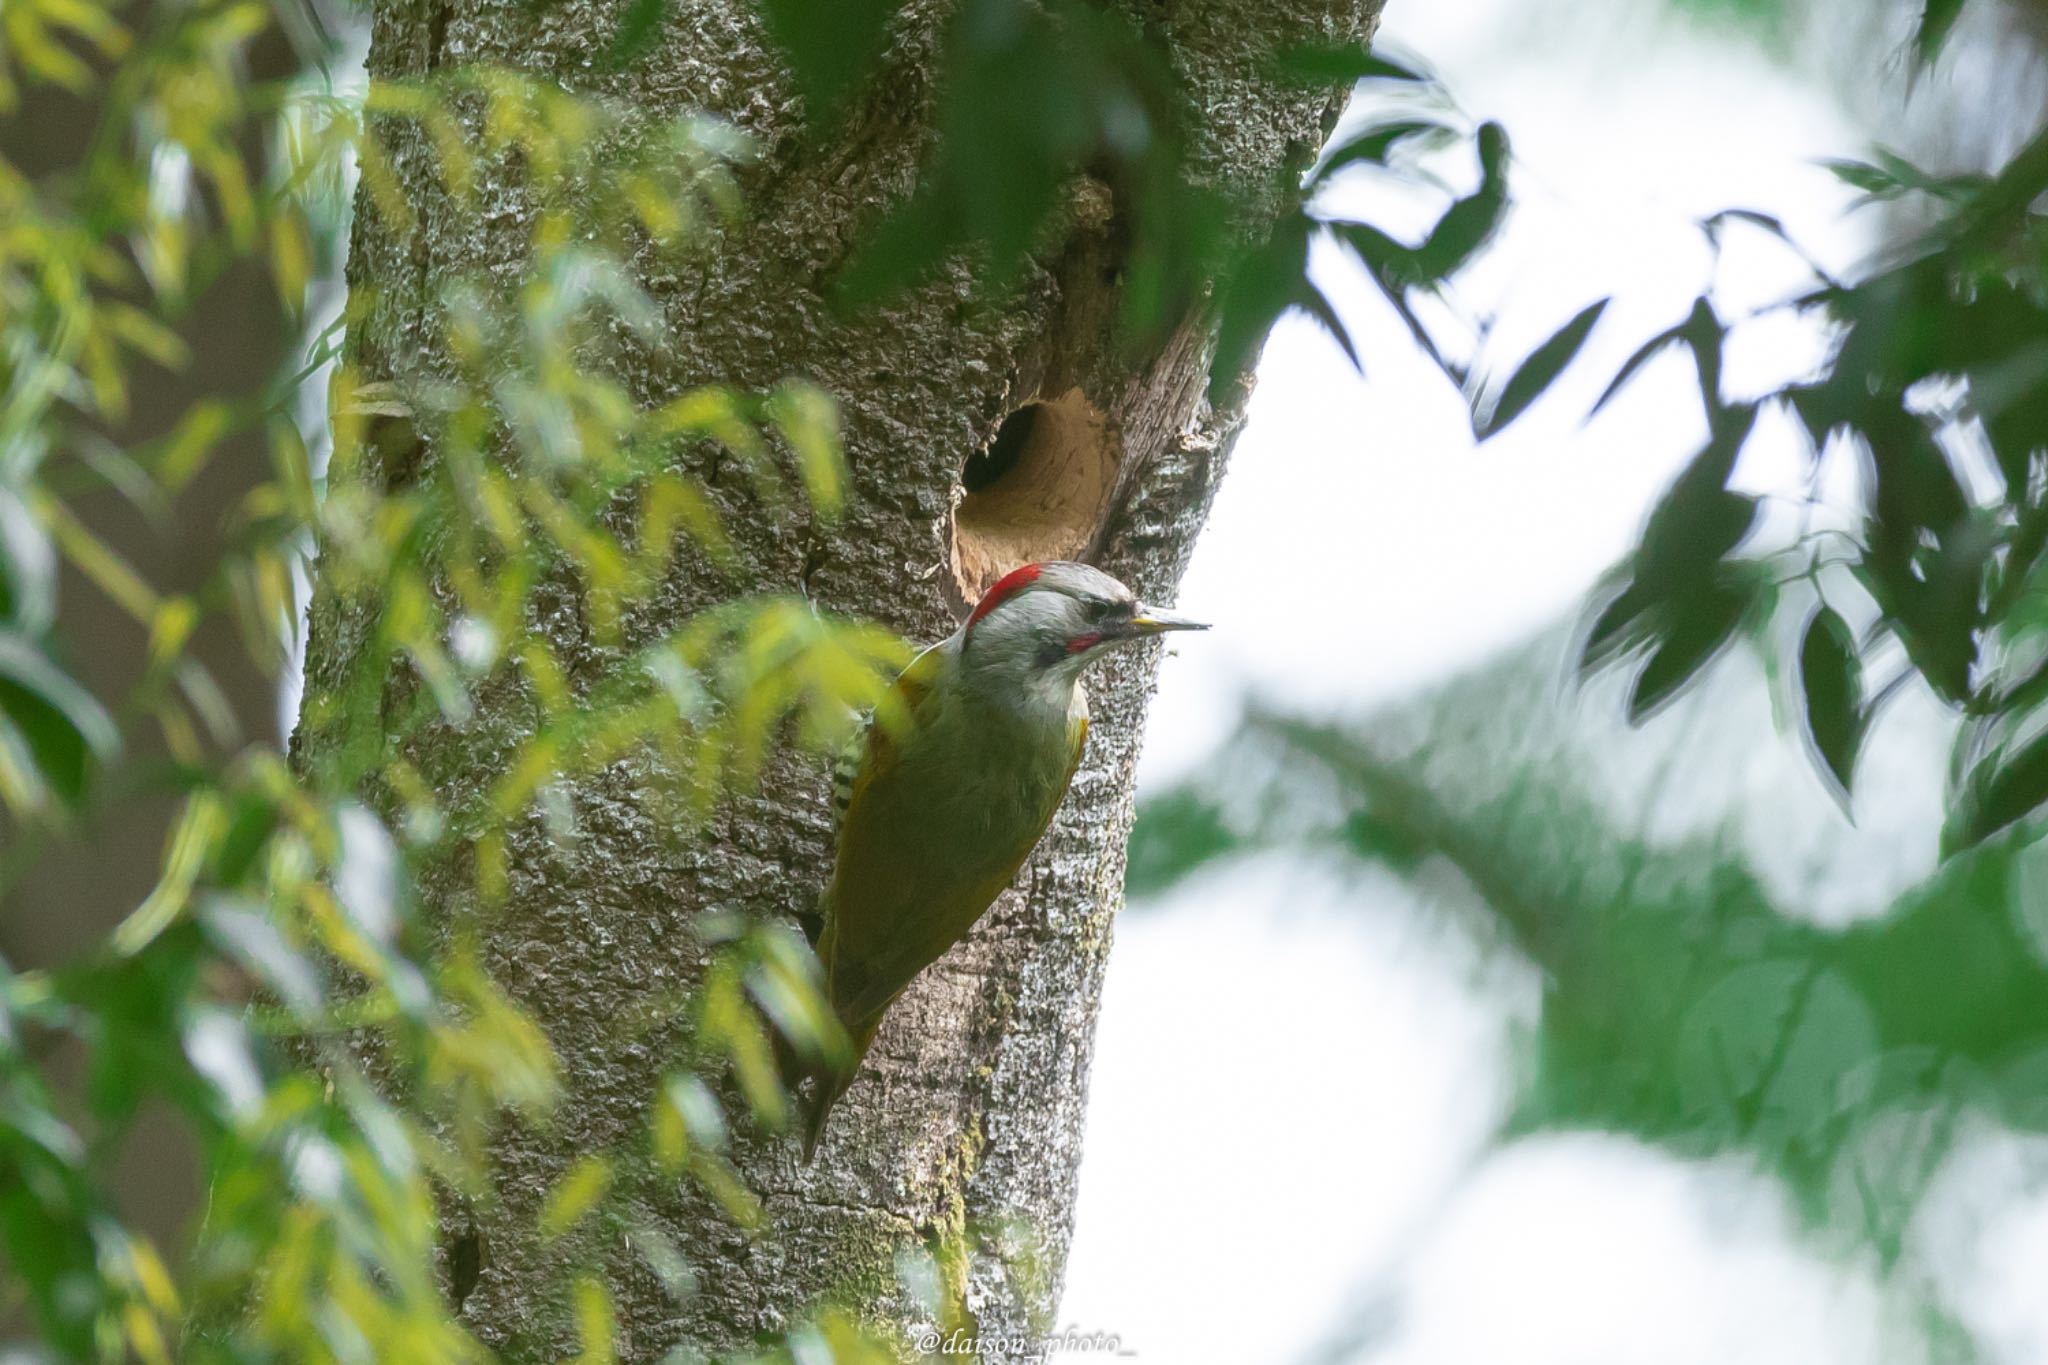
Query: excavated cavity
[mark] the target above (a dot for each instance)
(1038, 490)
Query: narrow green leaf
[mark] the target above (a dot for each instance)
(1342, 63)
(1701, 331)
(1770, 223)
(65, 729)
(575, 1195)
(831, 45)
(1538, 372)
(1937, 21)
(1470, 223)
(809, 420)
(1265, 283)
(248, 832)
(1372, 146)
(1622, 625)
(2004, 789)
(1313, 302)
(639, 28)
(1640, 357)
(1861, 175)
(1831, 681)
(1702, 623)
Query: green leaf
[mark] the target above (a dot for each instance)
(28, 567)
(1342, 63)
(1763, 1053)
(1831, 680)
(1700, 625)
(1537, 373)
(831, 45)
(1620, 627)
(243, 929)
(1928, 551)
(2004, 789)
(1766, 222)
(1265, 283)
(1937, 21)
(1469, 224)
(575, 1195)
(1373, 145)
(1641, 356)
(1174, 835)
(1394, 269)
(1698, 520)
(661, 1255)
(809, 420)
(639, 29)
(1390, 263)
(1702, 332)
(1770, 223)
(1861, 175)
(249, 829)
(1312, 301)
(63, 727)
(1892, 175)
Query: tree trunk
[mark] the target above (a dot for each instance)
(968, 1112)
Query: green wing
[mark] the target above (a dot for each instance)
(887, 922)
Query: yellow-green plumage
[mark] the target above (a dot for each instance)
(926, 844)
(953, 786)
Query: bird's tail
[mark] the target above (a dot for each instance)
(813, 1085)
(826, 1088)
(828, 1081)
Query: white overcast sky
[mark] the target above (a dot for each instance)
(1362, 550)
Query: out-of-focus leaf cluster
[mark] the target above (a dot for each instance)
(1936, 390)
(1034, 96)
(1684, 998)
(278, 948)
(1031, 97)
(1405, 122)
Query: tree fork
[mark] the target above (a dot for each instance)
(966, 1122)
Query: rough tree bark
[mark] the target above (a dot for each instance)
(969, 1111)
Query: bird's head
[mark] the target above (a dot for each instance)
(1049, 621)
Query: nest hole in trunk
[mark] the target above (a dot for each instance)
(1038, 490)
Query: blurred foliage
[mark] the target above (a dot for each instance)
(507, 472)
(1923, 26)
(1935, 391)
(1933, 395)
(1035, 93)
(280, 945)
(1682, 1000)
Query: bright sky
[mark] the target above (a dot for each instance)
(1361, 550)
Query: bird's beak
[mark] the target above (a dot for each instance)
(1155, 621)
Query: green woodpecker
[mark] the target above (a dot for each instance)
(935, 814)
